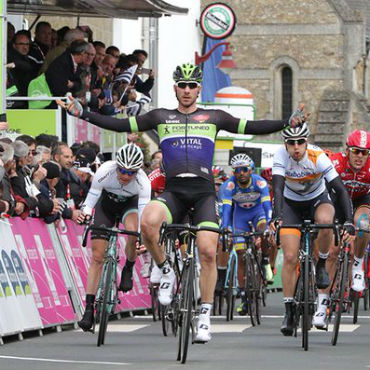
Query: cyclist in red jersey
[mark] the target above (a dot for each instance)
(353, 167)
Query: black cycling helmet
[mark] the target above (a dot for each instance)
(188, 72)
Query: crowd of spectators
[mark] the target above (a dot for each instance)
(45, 178)
(70, 60)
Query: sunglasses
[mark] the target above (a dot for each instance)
(295, 141)
(240, 169)
(190, 85)
(33, 152)
(357, 151)
(123, 171)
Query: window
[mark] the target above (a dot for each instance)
(286, 92)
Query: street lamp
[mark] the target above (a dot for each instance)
(226, 62)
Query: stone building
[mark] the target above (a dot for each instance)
(312, 51)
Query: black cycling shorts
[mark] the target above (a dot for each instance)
(356, 203)
(295, 212)
(108, 210)
(184, 193)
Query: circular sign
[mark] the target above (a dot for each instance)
(217, 21)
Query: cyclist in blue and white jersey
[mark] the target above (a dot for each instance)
(249, 193)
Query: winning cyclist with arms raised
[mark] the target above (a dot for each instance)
(187, 140)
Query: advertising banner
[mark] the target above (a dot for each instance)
(33, 238)
(16, 298)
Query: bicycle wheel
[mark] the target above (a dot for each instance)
(339, 297)
(186, 307)
(258, 292)
(165, 311)
(156, 307)
(356, 303)
(105, 300)
(306, 303)
(298, 298)
(230, 290)
(250, 283)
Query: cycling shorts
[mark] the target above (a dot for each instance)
(108, 210)
(183, 193)
(295, 212)
(241, 219)
(363, 201)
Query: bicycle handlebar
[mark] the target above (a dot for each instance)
(113, 231)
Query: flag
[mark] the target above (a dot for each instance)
(213, 78)
(127, 75)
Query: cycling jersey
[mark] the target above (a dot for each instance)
(357, 183)
(157, 180)
(187, 141)
(304, 180)
(246, 200)
(106, 179)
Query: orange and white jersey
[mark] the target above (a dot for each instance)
(304, 180)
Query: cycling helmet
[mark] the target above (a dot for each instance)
(187, 72)
(219, 174)
(267, 174)
(359, 139)
(328, 152)
(130, 157)
(296, 132)
(242, 160)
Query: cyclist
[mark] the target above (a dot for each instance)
(273, 250)
(121, 189)
(353, 167)
(249, 194)
(299, 173)
(187, 138)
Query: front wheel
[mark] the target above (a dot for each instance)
(230, 290)
(105, 301)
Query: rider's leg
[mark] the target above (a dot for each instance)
(153, 215)
(207, 247)
(324, 214)
(221, 259)
(98, 247)
(130, 220)
(290, 244)
(362, 217)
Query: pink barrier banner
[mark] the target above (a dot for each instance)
(32, 237)
(138, 298)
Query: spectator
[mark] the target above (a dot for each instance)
(50, 141)
(54, 39)
(11, 33)
(43, 154)
(61, 33)
(108, 65)
(62, 76)
(156, 160)
(96, 68)
(140, 86)
(114, 51)
(63, 155)
(41, 45)
(24, 70)
(70, 36)
(31, 142)
(100, 52)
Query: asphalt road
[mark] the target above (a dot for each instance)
(138, 343)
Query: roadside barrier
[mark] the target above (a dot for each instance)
(43, 274)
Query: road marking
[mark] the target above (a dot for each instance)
(120, 328)
(63, 361)
(229, 328)
(346, 328)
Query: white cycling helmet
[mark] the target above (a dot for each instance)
(296, 132)
(242, 160)
(130, 156)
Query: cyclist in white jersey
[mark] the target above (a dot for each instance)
(120, 189)
(298, 175)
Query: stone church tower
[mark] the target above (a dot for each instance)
(312, 51)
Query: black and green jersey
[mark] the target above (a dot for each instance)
(187, 141)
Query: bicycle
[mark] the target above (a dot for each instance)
(305, 290)
(231, 284)
(107, 294)
(255, 281)
(185, 298)
(153, 290)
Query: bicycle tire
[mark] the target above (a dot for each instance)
(298, 298)
(258, 292)
(356, 304)
(156, 307)
(186, 307)
(250, 289)
(306, 303)
(366, 298)
(107, 296)
(231, 286)
(339, 302)
(164, 320)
